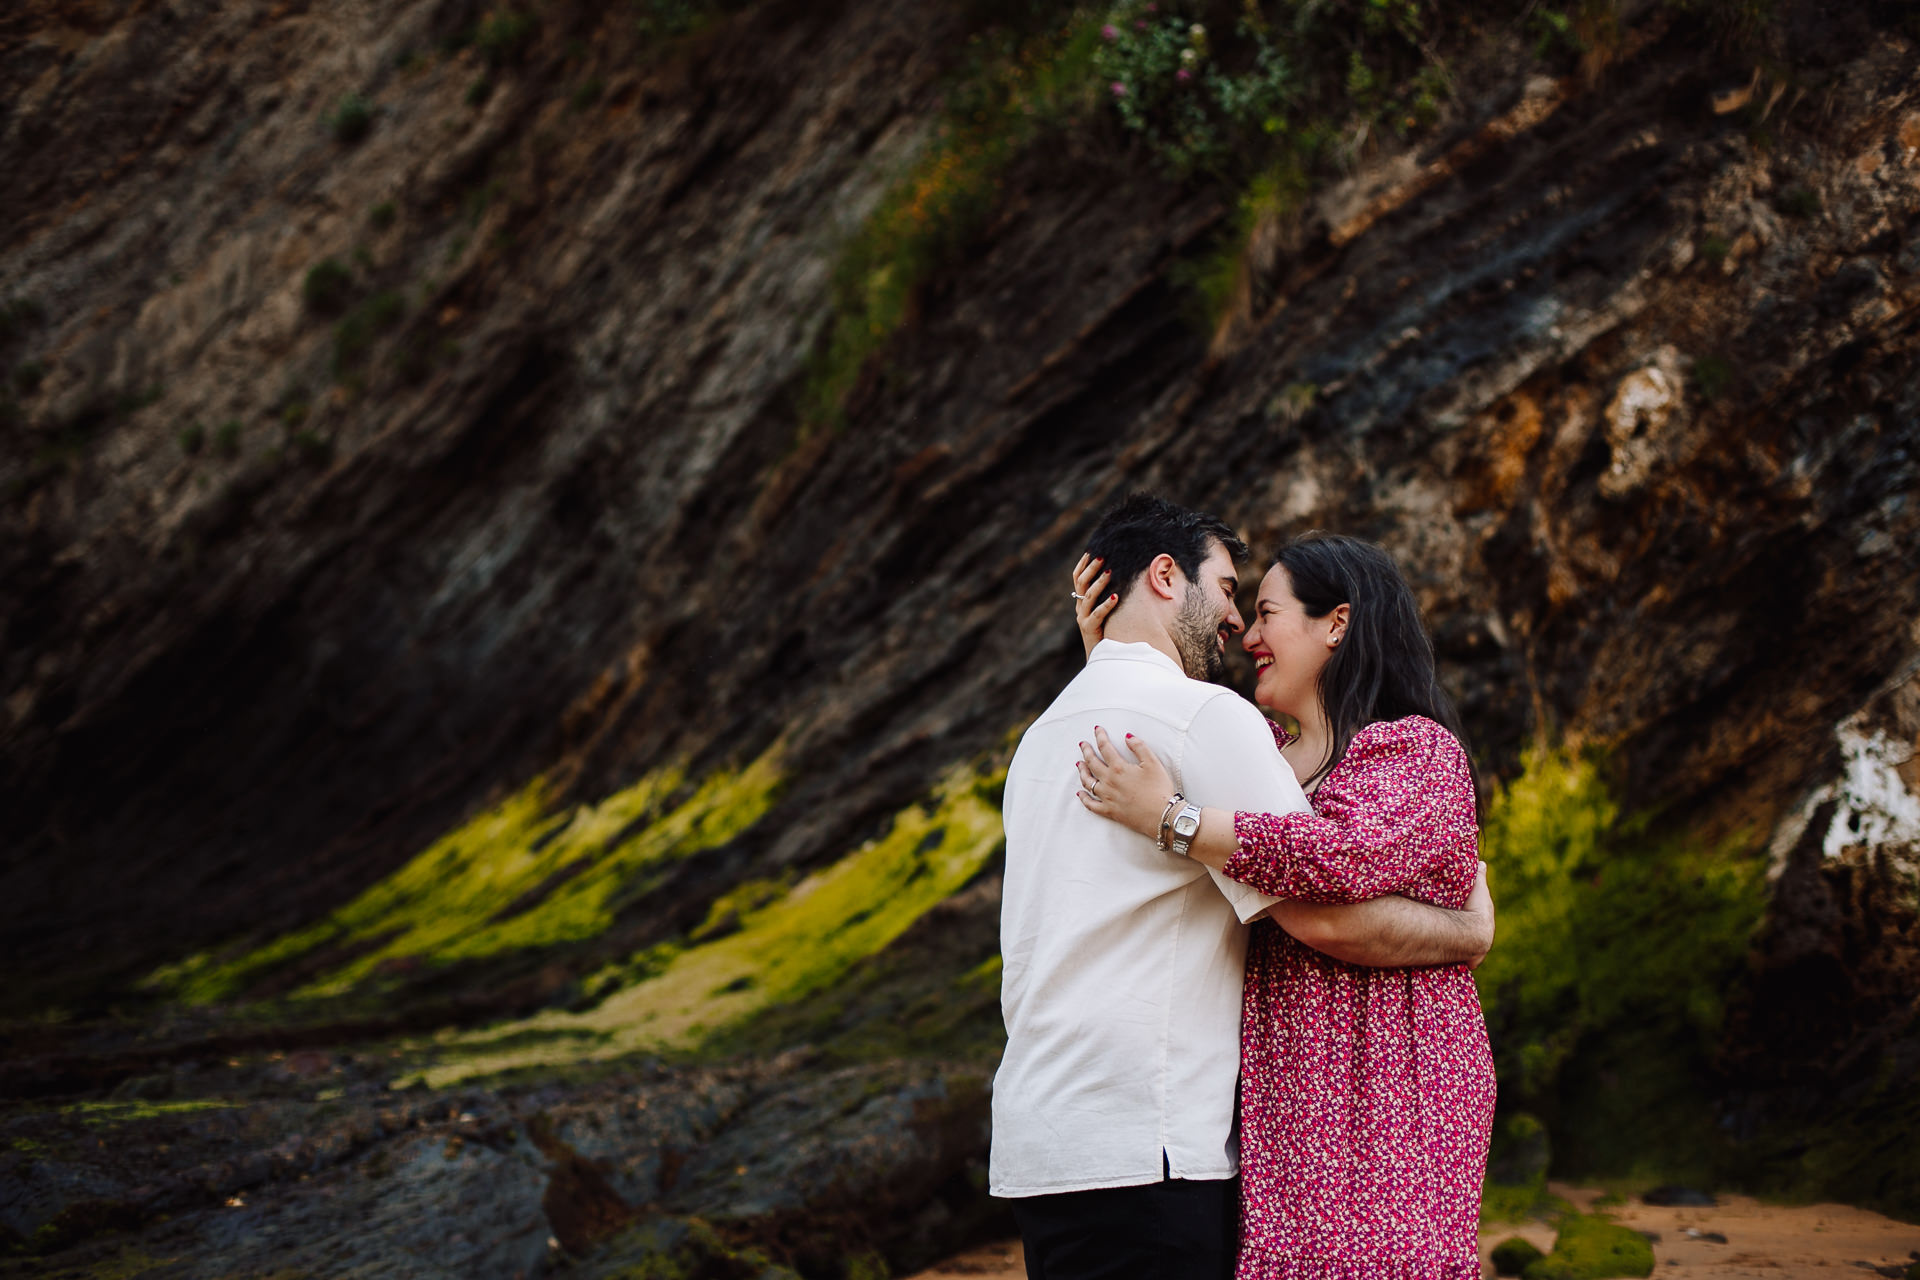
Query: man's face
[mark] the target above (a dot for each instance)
(1208, 617)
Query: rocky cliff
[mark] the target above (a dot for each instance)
(529, 532)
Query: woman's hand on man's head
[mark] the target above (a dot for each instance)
(1127, 784)
(1090, 607)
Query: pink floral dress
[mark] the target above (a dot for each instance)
(1366, 1094)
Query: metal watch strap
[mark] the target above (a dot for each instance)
(1166, 819)
(1182, 841)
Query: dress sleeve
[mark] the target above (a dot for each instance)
(1397, 808)
(1280, 735)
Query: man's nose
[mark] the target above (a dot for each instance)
(1234, 624)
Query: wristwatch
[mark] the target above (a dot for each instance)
(1186, 825)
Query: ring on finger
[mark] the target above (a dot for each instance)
(1078, 596)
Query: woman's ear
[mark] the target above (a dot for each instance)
(1337, 630)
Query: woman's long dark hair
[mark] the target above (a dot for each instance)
(1383, 668)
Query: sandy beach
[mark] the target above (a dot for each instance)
(1777, 1242)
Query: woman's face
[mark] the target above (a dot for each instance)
(1289, 648)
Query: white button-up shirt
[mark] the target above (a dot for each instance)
(1123, 963)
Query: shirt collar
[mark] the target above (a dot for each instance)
(1117, 650)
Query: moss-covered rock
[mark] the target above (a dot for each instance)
(1512, 1256)
(669, 1248)
(1590, 1248)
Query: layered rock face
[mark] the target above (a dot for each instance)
(508, 538)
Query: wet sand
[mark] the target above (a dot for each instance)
(1776, 1242)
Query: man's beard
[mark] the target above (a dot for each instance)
(1196, 634)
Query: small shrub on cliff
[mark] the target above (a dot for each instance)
(351, 120)
(1167, 85)
(226, 438)
(1229, 101)
(193, 438)
(382, 215)
(356, 332)
(310, 447)
(1712, 377)
(128, 403)
(504, 34)
(18, 315)
(587, 94)
(327, 286)
(1798, 202)
(28, 377)
(666, 19)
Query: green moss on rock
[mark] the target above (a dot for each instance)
(1590, 1248)
(1619, 939)
(1514, 1255)
(666, 1248)
(517, 877)
(788, 948)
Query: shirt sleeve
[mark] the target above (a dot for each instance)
(1388, 815)
(1230, 759)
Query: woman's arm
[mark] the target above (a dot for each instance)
(1383, 821)
(1399, 807)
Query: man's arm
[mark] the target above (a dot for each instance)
(1395, 933)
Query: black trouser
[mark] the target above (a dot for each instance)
(1170, 1230)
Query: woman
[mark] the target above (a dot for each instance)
(1366, 1094)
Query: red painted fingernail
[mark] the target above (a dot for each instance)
(1113, 597)
(1129, 735)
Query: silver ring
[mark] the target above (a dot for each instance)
(1076, 595)
(1093, 788)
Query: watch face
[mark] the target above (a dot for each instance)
(1186, 824)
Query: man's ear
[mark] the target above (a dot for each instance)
(1164, 577)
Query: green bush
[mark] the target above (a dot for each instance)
(1712, 376)
(668, 19)
(587, 94)
(295, 412)
(503, 36)
(226, 438)
(358, 329)
(1230, 100)
(28, 377)
(193, 438)
(1166, 83)
(1715, 249)
(382, 215)
(1589, 1248)
(1798, 202)
(1513, 1255)
(131, 402)
(479, 91)
(327, 286)
(351, 120)
(18, 315)
(311, 447)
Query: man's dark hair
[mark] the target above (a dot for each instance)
(1142, 526)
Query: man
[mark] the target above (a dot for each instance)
(1113, 1109)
